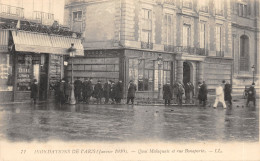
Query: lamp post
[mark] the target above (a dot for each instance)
(253, 69)
(160, 62)
(72, 52)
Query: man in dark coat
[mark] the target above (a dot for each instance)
(89, 90)
(227, 92)
(62, 91)
(78, 89)
(203, 92)
(167, 93)
(251, 94)
(131, 92)
(98, 92)
(84, 89)
(119, 91)
(113, 92)
(34, 90)
(107, 90)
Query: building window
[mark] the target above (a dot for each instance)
(146, 35)
(244, 53)
(187, 4)
(218, 38)
(202, 35)
(6, 72)
(166, 72)
(186, 35)
(204, 5)
(242, 9)
(77, 16)
(168, 31)
(219, 7)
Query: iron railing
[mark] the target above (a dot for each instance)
(186, 49)
(220, 53)
(11, 11)
(146, 45)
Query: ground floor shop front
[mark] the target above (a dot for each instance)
(27, 56)
(149, 70)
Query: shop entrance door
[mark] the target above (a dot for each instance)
(43, 83)
(186, 73)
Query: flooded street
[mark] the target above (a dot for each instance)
(45, 122)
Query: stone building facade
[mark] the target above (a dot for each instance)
(155, 41)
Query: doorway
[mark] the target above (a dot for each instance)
(186, 72)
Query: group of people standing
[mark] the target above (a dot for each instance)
(176, 92)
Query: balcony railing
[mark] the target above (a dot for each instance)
(11, 11)
(219, 12)
(146, 45)
(171, 2)
(186, 49)
(169, 48)
(43, 17)
(220, 53)
(204, 9)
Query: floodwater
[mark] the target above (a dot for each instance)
(45, 122)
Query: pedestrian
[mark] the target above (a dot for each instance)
(203, 93)
(119, 92)
(251, 94)
(107, 91)
(78, 89)
(167, 93)
(131, 92)
(219, 96)
(181, 91)
(84, 89)
(112, 92)
(227, 92)
(34, 90)
(187, 92)
(68, 89)
(98, 92)
(191, 86)
(89, 90)
(62, 91)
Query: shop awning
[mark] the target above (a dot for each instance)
(44, 43)
(61, 44)
(4, 36)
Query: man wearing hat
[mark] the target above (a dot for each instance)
(251, 94)
(131, 92)
(98, 92)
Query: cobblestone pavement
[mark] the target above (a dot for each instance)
(43, 122)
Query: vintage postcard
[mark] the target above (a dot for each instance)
(124, 80)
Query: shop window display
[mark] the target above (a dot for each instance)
(6, 72)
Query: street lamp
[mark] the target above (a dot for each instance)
(72, 52)
(253, 69)
(160, 62)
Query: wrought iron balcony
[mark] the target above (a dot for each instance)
(220, 53)
(219, 12)
(191, 50)
(204, 9)
(146, 45)
(43, 17)
(171, 2)
(201, 51)
(169, 48)
(11, 11)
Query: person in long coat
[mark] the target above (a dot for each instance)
(89, 90)
(119, 91)
(187, 92)
(68, 89)
(98, 92)
(107, 90)
(251, 94)
(227, 93)
(112, 92)
(34, 90)
(167, 93)
(62, 91)
(131, 92)
(203, 93)
(78, 89)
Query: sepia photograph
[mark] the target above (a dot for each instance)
(129, 80)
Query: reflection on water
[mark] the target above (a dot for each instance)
(125, 123)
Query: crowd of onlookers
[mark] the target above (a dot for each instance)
(112, 92)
